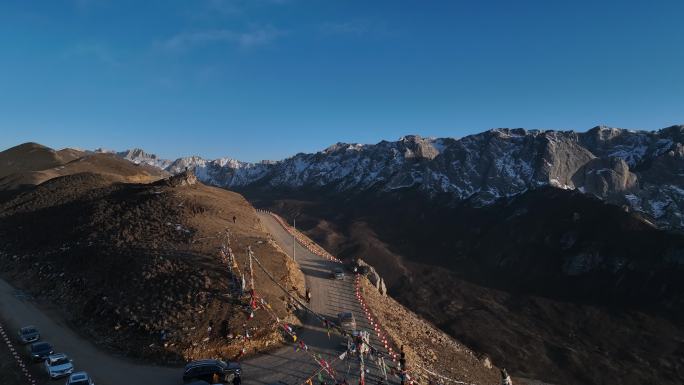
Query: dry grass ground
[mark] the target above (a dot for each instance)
(217, 209)
(138, 268)
(427, 347)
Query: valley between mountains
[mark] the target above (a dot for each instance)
(558, 255)
(129, 279)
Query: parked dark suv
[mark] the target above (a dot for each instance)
(347, 321)
(28, 334)
(205, 370)
(40, 351)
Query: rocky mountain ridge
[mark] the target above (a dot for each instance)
(640, 170)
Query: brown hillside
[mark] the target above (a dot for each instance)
(69, 154)
(31, 157)
(135, 262)
(30, 164)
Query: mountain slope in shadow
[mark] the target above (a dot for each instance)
(553, 284)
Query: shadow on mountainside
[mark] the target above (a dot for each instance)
(552, 284)
(136, 268)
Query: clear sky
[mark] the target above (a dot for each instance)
(265, 79)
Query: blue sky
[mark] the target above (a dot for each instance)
(265, 79)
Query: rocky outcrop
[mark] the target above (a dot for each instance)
(562, 157)
(139, 156)
(604, 177)
(186, 178)
(416, 147)
(373, 276)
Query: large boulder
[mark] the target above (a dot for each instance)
(372, 276)
(562, 156)
(382, 288)
(186, 178)
(604, 177)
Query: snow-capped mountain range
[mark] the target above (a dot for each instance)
(642, 170)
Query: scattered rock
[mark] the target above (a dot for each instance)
(486, 361)
(186, 178)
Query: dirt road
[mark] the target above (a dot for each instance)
(283, 365)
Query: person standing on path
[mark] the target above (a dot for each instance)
(505, 378)
(402, 359)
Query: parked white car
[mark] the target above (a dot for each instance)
(58, 365)
(79, 378)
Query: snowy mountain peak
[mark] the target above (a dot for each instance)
(607, 133)
(139, 156)
(513, 132)
(137, 153)
(640, 169)
(339, 146)
(412, 139)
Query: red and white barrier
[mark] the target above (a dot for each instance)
(307, 244)
(382, 335)
(17, 357)
(377, 328)
(373, 321)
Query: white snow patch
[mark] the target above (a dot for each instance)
(658, 208)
